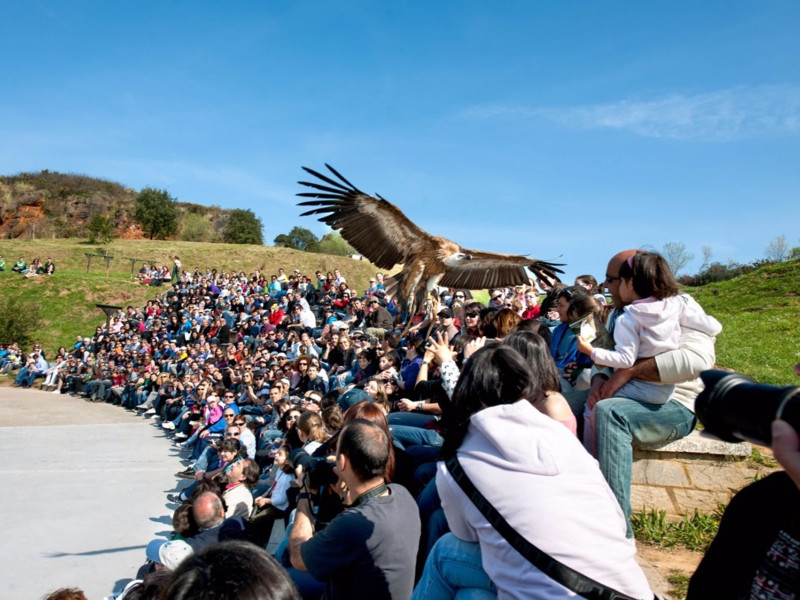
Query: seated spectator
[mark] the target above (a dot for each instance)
(2, 263)
(536, 353)
(564, 342)
(35, 367)
(48, 268)
(274, 503)
(20, 266)
(209, 514)
(491, 421)
(33, 269)
(241, 477)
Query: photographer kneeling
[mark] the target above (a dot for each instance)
(369, 550)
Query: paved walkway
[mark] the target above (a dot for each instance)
(83, 492)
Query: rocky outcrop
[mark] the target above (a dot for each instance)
(57, 205)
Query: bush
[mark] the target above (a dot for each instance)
(197, 228)
(334, 243)
(100, 230)
(18, 321)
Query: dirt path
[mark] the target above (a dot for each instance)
(660, 564)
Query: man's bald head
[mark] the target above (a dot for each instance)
(612, 275)
(208, 510)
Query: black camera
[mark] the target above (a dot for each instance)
(734, 408)
(318, 471)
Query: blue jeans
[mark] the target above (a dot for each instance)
(412, 419)
(406, 436)
(454, 570)
(619, 424)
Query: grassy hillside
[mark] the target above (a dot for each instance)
(760, 311)
(67, 299)
(760, 315)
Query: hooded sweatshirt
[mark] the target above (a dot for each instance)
(649, 327)
(543, 482)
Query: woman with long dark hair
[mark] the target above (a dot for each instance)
(538, 477)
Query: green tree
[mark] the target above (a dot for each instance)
(18, 320)
(243, 227)
(298, 238)
(100, 230)
(334, 243)
(156, 212)
(196, 228)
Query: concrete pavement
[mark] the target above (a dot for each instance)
(84, 490)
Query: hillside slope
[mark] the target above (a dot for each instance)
(760, 315)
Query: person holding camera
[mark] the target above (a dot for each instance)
(756, 552)
(369, 550)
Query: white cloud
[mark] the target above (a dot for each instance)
(723, 115)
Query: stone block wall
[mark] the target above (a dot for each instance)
(696, 472)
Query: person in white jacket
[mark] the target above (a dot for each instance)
(539, 478)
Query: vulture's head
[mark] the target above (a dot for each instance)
(457, 259)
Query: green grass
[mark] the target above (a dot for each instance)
(694, 532)
(762, 460)
(760, 316)
(679, 584)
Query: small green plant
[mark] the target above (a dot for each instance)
(679, 584)
(694, 532)
(763, 460)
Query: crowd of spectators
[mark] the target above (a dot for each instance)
(255, 376)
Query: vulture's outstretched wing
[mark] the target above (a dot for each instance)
(490, 270)
(373, 226)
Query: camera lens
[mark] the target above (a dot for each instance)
(734, 408)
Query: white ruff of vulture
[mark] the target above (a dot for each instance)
(386, 237)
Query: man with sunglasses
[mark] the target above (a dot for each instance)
(621, 422)
(369, 550)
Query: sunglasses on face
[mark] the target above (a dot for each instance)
(229, 415)
(471, 315)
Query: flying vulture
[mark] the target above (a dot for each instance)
(385, 236)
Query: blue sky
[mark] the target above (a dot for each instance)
(565, 130)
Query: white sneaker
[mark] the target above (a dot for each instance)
(56, 391)
(150, 411)
(168, 425)
(156, 417)
(181, 436)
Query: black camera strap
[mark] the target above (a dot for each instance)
(555, 570)
(378, 490)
